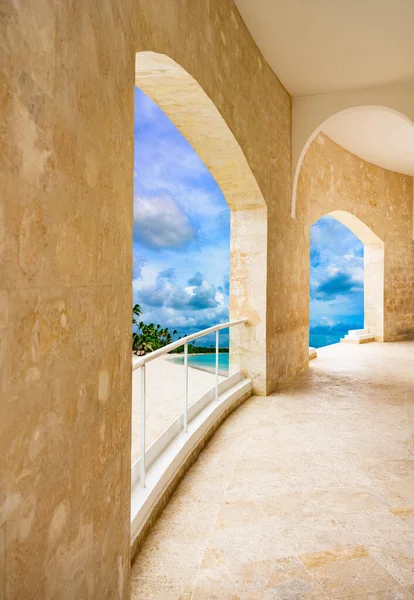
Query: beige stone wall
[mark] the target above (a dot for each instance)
(185, 102)
(333, 179)
(374, 289)
(65, 295)
(210, 41)
(65, 264)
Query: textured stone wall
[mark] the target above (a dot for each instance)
(210, 41)
(184, 101)
(65, 264)
(374, 289)
(66, 157)
(333, 179)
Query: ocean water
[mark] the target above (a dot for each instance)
(206, 361)
(318, 340)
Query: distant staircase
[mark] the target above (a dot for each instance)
(359, 336)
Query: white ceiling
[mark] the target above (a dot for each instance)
(375, 134)
(320, 46)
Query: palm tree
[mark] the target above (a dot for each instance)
(148, 337)
(136, 312)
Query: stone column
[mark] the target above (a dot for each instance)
(66, 204)
(399, 290)
(374, 289)
(248, 276)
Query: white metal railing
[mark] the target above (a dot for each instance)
(141, 362)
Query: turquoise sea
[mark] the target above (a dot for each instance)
(319, 339)
(206, 361)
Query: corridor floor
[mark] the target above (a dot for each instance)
(305, 494)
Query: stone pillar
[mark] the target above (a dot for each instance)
(374, 289)
(248, 276)
(65, 298)
(287, 300)
(399, 290)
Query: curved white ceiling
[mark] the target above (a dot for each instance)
(320, 46)
(377, 135)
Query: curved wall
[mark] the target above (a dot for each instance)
(332, 179)
(65, 261)
(309, 113)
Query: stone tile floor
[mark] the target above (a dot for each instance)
(305, 494)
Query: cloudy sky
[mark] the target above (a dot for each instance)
(181, 228)
(181, 239)
(336, 276)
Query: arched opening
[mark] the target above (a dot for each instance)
(347, 280)
(388, 140)
(180, 279)
(376, 204)
(165, 441)
(185, 103)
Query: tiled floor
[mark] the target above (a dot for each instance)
(305, 494)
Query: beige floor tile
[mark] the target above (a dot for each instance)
(312, 534)
(399, 561)
(377, 529)
(284, 578)
(196, 527)
(323, 468)
(168, 562)
(343, 500)
(317, 476)
(237, 513)
(397, 492)
(215, 584)
(148, 589)
(244, 544)
(290, 504)
(406, 513)
(347, 571)
(259, 485)
(395, 593)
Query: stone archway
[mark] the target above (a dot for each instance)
(373, 271)
(376, 204)
(311, 114)
(186, 104)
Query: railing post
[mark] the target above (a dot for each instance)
(142, 426)
(186, 387)
(217, 364)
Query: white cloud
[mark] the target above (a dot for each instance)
(161, 223)
(328, 322)
(219, 297)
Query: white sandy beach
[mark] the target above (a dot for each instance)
(165, 397)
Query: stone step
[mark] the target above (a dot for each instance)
(358, 336)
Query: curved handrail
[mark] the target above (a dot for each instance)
(143, 360)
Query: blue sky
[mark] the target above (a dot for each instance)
(336, 276)
(181, 234)
(181, 239)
